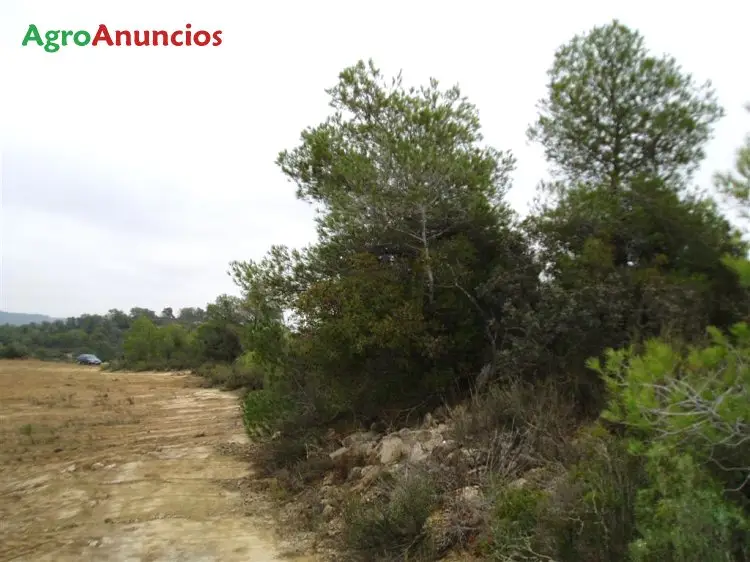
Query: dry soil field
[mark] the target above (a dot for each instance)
(123, 467)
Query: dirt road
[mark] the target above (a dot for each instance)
(123, 467)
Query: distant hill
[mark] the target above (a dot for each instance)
(19, 318)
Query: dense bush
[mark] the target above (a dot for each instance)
(13, 350)
(665, 474)
(391, 526)
(687, 414)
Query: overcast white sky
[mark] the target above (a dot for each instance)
(132, 177)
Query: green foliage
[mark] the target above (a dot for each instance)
(219, 337)
(683, 514)
(142, 341)
(102, 335)
(244, 373)
(592, 514)
(629, 251)
(418, 269)
(585, 514)
(13, 350)
(420, 278)
(697, 400)
(686, 413)
(264, 411)
(513, 525)
(615, 112)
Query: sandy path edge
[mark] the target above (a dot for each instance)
(124, 467)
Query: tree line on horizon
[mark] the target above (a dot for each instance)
(101, 334)
(624, 294)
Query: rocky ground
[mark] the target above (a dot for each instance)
(367, 465)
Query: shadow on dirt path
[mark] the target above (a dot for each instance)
(123, 467)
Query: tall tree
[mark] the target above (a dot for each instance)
(397, 169)
(416, 268)
(142, 341)
(614, 111)
(629, 250)
(219, 336)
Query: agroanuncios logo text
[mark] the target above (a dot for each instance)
(54, 39)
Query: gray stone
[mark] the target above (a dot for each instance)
(339, 454)
(359, 438)
(390, 449)
(370, 474)
(417, 454)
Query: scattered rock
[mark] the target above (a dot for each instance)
(390, 449)
(339, 454)
(443, 449)
(463, 511)
(418, 454)
(518, 484)
(364, 449)
(331, 495)
(328, 512)
(359, 438)
(468, 458)
(469, 505)
(369, 474)
(471, 495)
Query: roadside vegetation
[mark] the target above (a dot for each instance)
(588, 362)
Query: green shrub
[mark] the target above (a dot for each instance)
(591, 515)
(14, 350)
(683, 515)
(391, 525)
(696, 402)
(539, 415)
(513, 526)
(245, 373)
(687, 415)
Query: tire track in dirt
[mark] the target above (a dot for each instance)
(123, 467)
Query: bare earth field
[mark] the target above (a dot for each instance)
(123, 467)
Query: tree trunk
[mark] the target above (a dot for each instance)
(426, 253)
